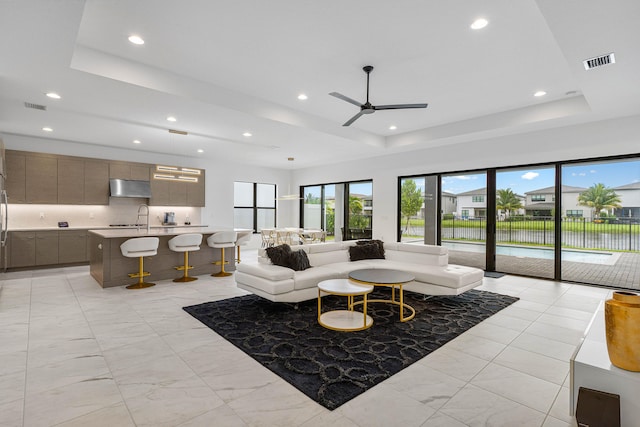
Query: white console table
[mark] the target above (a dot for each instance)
(591, 368)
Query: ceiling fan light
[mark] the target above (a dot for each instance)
(479, 24)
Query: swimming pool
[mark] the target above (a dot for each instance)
(605, 258)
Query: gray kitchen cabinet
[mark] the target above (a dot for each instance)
(71, 176)
(195, 192)
(72, 246)
(96, 182)
(16, 176)
(22, 247)
(178, 193)
(159, 192)
(140, 172)
(41, 184)
(119, 170)
(47, 247)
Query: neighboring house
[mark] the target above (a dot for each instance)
(448, 203)
(540, 203)
(629, 199)
(472, 204)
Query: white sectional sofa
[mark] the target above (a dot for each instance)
(429, 264)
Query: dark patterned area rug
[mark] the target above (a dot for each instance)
(334, 367)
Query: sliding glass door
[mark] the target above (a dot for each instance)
(601, 223)
(464, 221)
(525, 225)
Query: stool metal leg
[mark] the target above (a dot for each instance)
(222, 262)
(140, 274)
(186, 267)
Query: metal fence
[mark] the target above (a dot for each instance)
(621, 234)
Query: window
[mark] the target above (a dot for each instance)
(538, 198)
(331, 206)
(477, 199)
(574, 213)
(254, 205)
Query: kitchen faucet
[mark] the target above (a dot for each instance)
(144, 208)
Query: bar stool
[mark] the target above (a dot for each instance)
(185, 243)
(140, 247)
(243, 239)
(222, 240)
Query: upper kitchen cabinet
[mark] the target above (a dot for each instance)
(177, 186)
(127, 170)
(16, 176)
(71, 177)
(41, 183)
(96, 182)
(195, 192)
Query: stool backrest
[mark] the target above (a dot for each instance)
(244, 237)
(139, 244)
(223, 237)
(182, 240)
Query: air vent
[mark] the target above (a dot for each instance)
(35, 106)
(599, 61)
(179, 132)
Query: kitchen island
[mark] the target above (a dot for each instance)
(110, 268)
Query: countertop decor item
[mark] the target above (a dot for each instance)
(622, 323)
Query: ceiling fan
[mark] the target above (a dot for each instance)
(367, 108)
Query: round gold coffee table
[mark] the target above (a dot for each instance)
(389, 278)
(344, 320)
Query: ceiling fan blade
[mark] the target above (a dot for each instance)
(353, 119)
(345, 98)
(399, 106)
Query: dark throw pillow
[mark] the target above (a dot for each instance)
(365, 251)
(379, 243)
(279, 255)
(298, 260)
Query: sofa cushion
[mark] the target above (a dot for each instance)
(272, 287)
(298, 260)
(279, 255)
(323, 258)
(311, 277)
(266, 271)
(365, 251)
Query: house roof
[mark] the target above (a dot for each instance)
(551, 190)
(632, 186)
(478, 192)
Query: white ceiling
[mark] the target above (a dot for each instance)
(225, 68)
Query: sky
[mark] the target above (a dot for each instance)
(612, 174)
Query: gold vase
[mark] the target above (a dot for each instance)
(622, 322)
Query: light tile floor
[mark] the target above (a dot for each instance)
(74, 354)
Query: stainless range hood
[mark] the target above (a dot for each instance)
(129, 188)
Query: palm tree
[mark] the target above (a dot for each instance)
(507, 201)
(599, 197)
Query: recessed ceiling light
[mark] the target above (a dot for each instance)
(53, 95)
(172, 119)
(479, 23)
(393, 127)
(200, 150)
(136, 39)
(540, 93)
(247, 134)
(47, 129)
(136, 141)
(302, 97)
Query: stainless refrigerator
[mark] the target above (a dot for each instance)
(4, 209)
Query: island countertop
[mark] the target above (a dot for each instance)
(157, 232)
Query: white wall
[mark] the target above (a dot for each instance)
(220, 173)
(598, 139)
